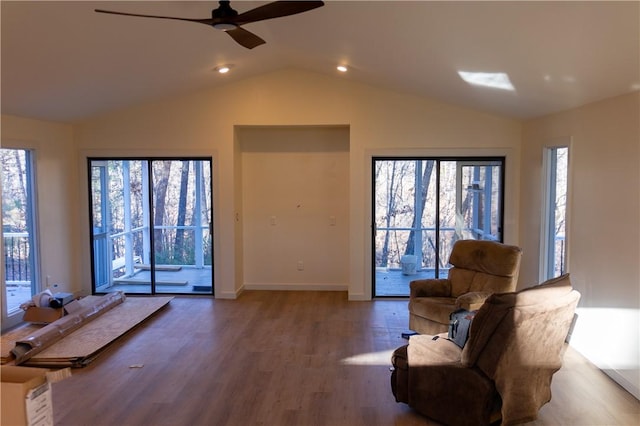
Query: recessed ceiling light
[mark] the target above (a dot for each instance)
(223, 69)
(342, 68)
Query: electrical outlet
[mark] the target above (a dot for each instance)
(300, 265)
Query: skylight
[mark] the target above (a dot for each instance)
(494, 80)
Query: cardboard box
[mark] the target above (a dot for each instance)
(42, 315)
(26, 395)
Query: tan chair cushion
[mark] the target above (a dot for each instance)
(472, 301)
(434, 308)
(423, 350)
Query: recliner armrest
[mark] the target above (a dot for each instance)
(472, 301)
(435, 287)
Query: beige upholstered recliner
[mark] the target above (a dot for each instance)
(516, 343)
(480, 268)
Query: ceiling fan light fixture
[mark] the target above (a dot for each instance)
(225, 26)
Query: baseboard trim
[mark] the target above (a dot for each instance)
(229, 295)
(622, 381)
(296, 286)
(359, 297)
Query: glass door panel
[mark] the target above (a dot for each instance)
(120, 225)
(479, 204)
(182, 218)
(404, 231)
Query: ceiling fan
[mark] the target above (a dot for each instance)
(226, 19)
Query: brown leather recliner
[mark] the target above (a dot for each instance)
(480, 268)
(516, 343)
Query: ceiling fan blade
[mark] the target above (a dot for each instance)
(207, 21)
(224, 18)
(276, 9)
(245, 38)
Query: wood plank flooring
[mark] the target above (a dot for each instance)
(283, 358)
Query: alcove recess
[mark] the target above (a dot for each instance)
(292, 190)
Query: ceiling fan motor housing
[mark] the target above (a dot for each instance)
(221, 17)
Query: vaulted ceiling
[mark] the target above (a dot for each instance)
(61, 61)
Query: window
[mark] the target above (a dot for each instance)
(554, 242)
(20, 265)
(422, 206)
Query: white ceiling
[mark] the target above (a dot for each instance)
(61, 61)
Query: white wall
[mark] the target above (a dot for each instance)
(377, 120)
(56, 195)
(295, 207)
(604, 225)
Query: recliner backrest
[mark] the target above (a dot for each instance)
(495, 322)
(483, 266)
(518, 339)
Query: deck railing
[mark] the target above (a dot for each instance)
(17, 258)
(422, 241)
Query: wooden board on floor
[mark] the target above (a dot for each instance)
(8, 340)
(85, 344)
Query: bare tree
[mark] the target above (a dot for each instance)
(421, 202)
(182, 209)
(160, 190)
(391, 198)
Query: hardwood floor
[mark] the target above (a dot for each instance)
(283, 358)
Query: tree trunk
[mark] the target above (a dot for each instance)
(160, 190)
(182, 210)
(391, 190)
(23, 189)
(422, 201)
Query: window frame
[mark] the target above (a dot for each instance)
(10, 319)
(461, 160)
(547, 263)
(102, 161)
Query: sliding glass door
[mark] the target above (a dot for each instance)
(422, 206)
(151, 226)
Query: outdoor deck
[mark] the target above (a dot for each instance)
(16, 295)
(392, 282)
(389, 283)
(187, 280)
(182, 280)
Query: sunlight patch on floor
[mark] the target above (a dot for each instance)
(370, 358)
